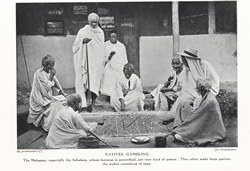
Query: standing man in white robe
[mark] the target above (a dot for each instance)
(46, 96)
(128, 95)
(116, 58)
(88, 50)
(69, 125)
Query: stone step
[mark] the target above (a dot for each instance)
(27, 138)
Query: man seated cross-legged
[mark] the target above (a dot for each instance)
(127, 95)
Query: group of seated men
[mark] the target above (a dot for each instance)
(189, 94)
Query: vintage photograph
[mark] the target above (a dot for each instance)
(101, 75)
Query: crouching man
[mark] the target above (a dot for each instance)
(69, 125)
(127, 95)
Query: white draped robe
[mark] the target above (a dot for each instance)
(134, 100)
(161, 102)
(94, 50)
(188, 78)
(67, 128)
(114, 68)
(44, 102)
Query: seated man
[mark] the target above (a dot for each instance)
(46, 95)
(128, 95)
(69, 126)
(195, 68)
(204, 124)
(166, 94)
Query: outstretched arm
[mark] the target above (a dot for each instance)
(82, 124)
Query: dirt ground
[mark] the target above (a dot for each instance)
(230, 121)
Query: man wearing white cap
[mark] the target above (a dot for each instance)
(88, 50)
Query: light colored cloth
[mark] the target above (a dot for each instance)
(161, 102)
(203, 68)
(93, 17)
(188, 78)
(203, 125)
(95, 49)
(134, 98)
(210, 72)
(188, 91)
(114, 68)
(67, 128)
(44, 103)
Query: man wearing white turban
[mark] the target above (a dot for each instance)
(88, 50)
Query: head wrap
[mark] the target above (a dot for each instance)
(93, 17)
(195, 68)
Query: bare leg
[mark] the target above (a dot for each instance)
(91, 98)
(94, 97)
